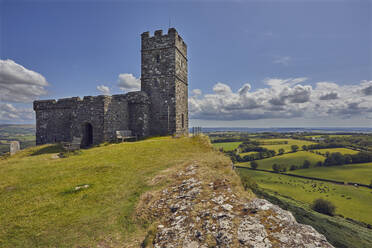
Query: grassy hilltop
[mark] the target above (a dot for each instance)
(44, 200)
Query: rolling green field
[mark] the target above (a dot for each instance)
(340, 150)
(25, 134)
(41, 204)
(356, 173)
(287, 159)
(247, 153)
(350, 201)
(227, 146)
(286, 147)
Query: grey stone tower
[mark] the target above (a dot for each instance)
(164, 79)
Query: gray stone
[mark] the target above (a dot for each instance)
(160, 108)
(14, 147)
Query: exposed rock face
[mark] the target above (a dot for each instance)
(197, 213)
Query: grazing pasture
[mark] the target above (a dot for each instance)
(352, 202)
(270, 144)
(227, 146)
(287, 160)
(247, 153)
(356, 173)
(340, 150)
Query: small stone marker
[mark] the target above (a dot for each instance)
(14, 147)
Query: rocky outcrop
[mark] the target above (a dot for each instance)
(195, 212)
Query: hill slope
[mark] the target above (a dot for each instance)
(101, 197)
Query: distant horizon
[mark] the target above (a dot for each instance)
(229, 127)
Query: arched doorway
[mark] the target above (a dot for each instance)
(87, 135)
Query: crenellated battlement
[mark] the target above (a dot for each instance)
(160, 40)
(66, 103)
(56, 104)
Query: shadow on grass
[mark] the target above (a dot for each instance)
(55, 148)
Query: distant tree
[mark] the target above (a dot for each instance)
(319, 164)
(272, 153)
(327, 154)
(370, 185)
(348, 159)
(335, 158)
(294, 148)
(248, 182)
(281, 151)
(293, 167)
(323, 206)
(276, 168)
(254, 165)
(304, 147)
(306, 164)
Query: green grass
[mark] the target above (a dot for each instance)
(286, 147)
(340, 150)
(247, 153)
(287, 160)
(356, 173)
(227, 146)
(40, 207)
(350, 201)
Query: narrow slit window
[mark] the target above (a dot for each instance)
(183, 120)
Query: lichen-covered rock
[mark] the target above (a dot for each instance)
(196, 213)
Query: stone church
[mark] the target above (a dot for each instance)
(160, 108)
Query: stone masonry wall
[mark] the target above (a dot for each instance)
(116, 116)
(90, 111)
(54, 120)
(159, 80)
(61, 120)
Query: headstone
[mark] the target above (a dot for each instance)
(14, 147)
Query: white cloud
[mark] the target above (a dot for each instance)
(221, 88)
(367, 87)
(283, 98)
(9, 113)
(329, 96)
(103, 89)
(18, 84)
(197, 92)
(283, 60)
(128, 82)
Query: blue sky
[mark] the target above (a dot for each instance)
(278, 48)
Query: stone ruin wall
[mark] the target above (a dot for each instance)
(61, 120)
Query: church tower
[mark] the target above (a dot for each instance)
(164, 79)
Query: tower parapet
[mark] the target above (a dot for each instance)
(160, 40)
